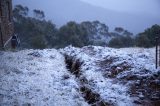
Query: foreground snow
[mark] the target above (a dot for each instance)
(107, 70)
(40, 77)
(35, 77)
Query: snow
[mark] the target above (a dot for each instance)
(115, 93)
(40, 77)
(27, 79)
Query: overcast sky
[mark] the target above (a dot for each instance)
(135, 6)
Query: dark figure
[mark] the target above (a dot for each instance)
(14, 41)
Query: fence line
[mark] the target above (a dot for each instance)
(157, 52)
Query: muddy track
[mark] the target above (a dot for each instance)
(73, 65)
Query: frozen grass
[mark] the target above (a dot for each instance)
(37, 77)
(40, 77)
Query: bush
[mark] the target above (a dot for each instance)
(143, 41)
(121, 41)
(147, 38)
(33, 32)
(72, 34)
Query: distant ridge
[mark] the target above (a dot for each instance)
(62, 11)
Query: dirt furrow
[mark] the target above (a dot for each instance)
(73, 65)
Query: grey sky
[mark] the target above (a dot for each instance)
(135, 6)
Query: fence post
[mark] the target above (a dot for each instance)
(156, 52)
(159, 51)
(1, 37)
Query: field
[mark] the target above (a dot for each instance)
(92, 75)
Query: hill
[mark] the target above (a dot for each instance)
(62, 11)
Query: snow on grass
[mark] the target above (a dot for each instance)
(114, 93)
(40, 77)
(141, 62)
(37, 77)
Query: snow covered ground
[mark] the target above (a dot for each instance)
(112, 73)
(37, 78)
(121, 77)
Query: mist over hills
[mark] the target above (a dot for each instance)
(62, 11)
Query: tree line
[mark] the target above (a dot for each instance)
(38, 33)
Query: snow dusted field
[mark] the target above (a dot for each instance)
(119, 77)
(106, 70)
(37, 78)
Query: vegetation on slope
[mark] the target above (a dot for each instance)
(38, 33)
